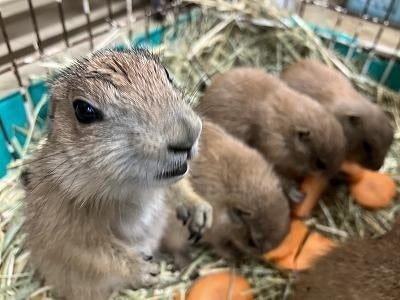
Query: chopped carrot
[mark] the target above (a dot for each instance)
(370, 189)
(353, 171)
(293, 254)
(374, 191)
(221, 285)
(313, 187)
(289, 245)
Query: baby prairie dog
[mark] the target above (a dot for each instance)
(292, 131)
(95, 204)
(364, 269)
(368, 131)
(250, 210)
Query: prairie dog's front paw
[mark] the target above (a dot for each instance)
(295, 195)
(146, 275)
(198, 216)
(293, 191)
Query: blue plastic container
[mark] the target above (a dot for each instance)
(376, 8)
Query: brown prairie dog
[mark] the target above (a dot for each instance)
(95, 205)
(250, 210)
(368, 131)
(292, 131)
(364, 269)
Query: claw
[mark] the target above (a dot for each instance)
(148, 257)
(191, 235)
(154, 274)
(195, 237)
(207, 220)
(183, 214)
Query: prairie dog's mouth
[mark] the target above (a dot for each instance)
(175, 172)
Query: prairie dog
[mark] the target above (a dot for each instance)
(368, 131)
(95, 204)
(296, 134)
(250, 210)
(363, 269)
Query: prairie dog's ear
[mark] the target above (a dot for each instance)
(303, 134)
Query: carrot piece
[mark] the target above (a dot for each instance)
(313, 187)
(221, 285)
(370, 189)
(353, 170)
(297, 233)
(374, 191)
(315, 246)
(294, 255)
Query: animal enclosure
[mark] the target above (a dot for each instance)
(195, 40)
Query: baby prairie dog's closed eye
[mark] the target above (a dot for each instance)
(96, 204)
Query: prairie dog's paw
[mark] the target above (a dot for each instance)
(295, 195)
(146, 275)
(292, 191)
(198, 215)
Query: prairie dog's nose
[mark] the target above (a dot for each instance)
(185, 136)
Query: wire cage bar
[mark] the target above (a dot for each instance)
(373, 44)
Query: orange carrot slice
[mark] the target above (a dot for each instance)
(297, 233)
(353, 170)
(313, 187)
(221, 285)
(370, 189)
(293, 254)
(374, 191)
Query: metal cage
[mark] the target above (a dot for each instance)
(370, 25)
(70, 26)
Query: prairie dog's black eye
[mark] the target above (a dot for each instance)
(168, 76)
(320, 165)
(85, 113)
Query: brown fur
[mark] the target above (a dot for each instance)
(293, 132)
(358, 270)
(368, 131)
(95, 207)
(234, 179)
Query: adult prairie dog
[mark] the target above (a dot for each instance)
(95, 204)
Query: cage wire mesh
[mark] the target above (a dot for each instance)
(195, 39)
